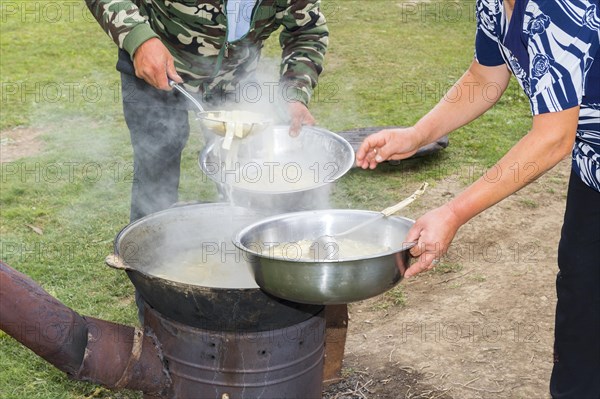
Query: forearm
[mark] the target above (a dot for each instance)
(550, 140)
(122, 21)
(304, 41)
(475, 92)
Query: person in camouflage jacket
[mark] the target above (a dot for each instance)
(195, 34)
(189, 42)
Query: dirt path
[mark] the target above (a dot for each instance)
(19, 142)
(484, 329)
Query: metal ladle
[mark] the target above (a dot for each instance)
(220, 123)
(183, 91)
(328, 244)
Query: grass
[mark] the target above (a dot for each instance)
(388, 63)
(447, 267)
(392, 298)
(478, 278)
(528, 203)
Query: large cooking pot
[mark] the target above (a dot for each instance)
(216, 291)
(276, 173)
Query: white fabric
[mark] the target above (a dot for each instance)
(239, 15)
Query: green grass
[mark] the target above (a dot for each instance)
(387, 65)
(528, 203)
(447, 267)
(392, 298)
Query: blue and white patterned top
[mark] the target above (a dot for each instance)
(553, 49)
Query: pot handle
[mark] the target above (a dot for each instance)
(116, 262)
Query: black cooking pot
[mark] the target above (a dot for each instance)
(149, 250)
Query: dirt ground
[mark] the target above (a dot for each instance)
(19, 142)
(481, 326)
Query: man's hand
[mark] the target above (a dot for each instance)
(387, 144)
(299, 115)
(154, 63)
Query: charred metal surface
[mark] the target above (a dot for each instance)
(220, 309)
(87, 349)
(279, 363)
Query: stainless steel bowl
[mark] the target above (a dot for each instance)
(276, 173)
(304, 279)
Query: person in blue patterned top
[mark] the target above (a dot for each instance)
(552, 48)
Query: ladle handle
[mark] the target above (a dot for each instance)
(116, 262)
(404, 203)
(183, 91)
(387, 211)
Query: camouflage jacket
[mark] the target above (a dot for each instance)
(195, 33)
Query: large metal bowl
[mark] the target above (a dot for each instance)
(304, 279)
(276, 173)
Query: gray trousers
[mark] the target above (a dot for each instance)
(159, 129)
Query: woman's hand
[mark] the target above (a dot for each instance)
(299, 115)
(388, 144)
(154, 63)
(433, 233)
(464, 102)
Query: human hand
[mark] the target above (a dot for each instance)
(433, 233)
(299, 115)
(387, 144)
(154, 63)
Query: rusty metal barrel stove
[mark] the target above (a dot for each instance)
(279, 363)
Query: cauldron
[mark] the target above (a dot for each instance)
(206, 230)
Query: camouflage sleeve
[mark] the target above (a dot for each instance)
(304, 42)
(123, 22)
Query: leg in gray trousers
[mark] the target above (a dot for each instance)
(159, 129)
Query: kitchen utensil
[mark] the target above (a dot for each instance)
(325, 247)
(235, 123)
(183, 91)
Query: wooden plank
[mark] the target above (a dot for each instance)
(336, 328)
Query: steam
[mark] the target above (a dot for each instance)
(191, 245)
(268, 170)
(265, 173)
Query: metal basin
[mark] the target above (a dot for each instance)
(276, 173)
(301, 278)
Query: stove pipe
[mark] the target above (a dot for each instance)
(87, 349)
